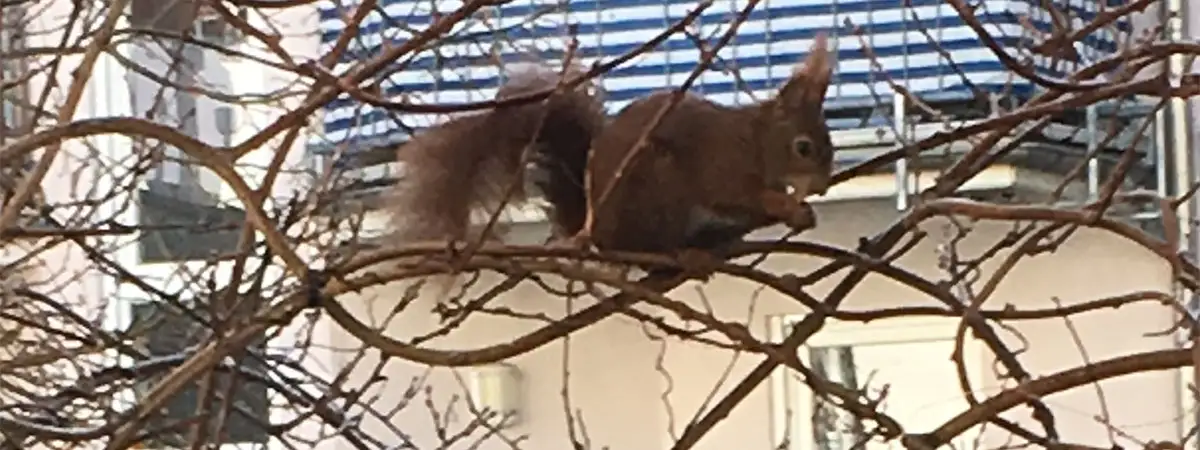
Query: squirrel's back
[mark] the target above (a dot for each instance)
(656, 203)
(468, 163)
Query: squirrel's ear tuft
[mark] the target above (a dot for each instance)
(810, 79)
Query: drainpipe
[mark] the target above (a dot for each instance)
(101, 99)
(1178, 128)
(1177, 116)
(1179, 149)
(108, 84)
(1093, 164)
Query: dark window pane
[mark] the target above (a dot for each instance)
(196, 231)
(163, 15)
(166, 330)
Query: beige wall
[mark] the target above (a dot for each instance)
(616, 385)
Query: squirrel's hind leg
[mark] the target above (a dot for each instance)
(581, 240)
(698, 264)
(578, 241)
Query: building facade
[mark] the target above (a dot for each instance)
(620, 374)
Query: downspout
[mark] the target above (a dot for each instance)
(1184, 163)
(107, 84)
(1180, 129)
(107, 287)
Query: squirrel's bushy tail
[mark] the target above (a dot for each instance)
(465, 165)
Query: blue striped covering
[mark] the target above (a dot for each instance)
(465, 67)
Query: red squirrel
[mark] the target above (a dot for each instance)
(708, 174)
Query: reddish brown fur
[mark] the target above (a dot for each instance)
(467, 163)
(709, 174)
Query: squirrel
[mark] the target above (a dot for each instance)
(707, 175)
(710, 173)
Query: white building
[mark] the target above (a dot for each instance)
(123, 84)
(613, 375)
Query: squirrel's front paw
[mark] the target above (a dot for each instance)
(802, 218)
(796, 214)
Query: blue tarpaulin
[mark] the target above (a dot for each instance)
(466, 64)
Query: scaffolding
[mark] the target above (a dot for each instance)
(1075, 140)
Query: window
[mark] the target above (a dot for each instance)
(910, 356)
(177, 175)
(165, 330)
(179, 231)
(834, 428)
(179, 206)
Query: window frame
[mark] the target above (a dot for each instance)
(176, 184)
(791, 400)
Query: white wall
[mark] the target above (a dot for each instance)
(612, 364)
(617, 373)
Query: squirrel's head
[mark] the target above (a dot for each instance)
(798, 152)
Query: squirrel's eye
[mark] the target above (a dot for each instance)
(802, 147)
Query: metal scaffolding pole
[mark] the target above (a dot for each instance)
(901, 126)
(1093, 164)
